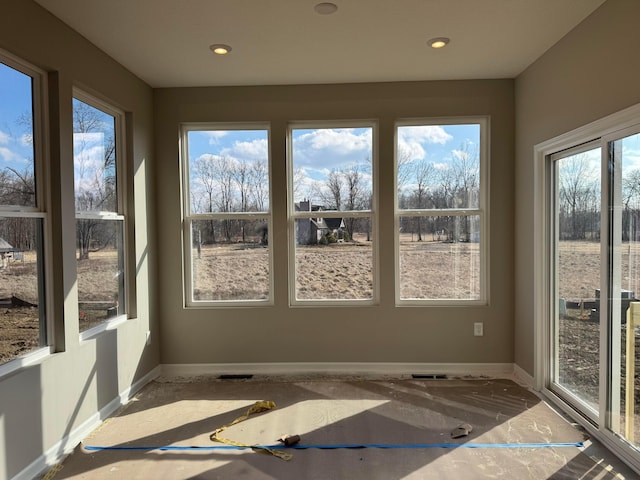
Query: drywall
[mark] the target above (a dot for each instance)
(592, 72)
(381, 333)
(45, 402)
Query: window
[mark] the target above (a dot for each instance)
(226, 214)
(331, 212)
(22, 211)
(441, 211)
(100, 220)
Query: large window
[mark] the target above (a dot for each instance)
(22, 211)
(226, 214)
(331, 205)
(100, 220)
(440, 211)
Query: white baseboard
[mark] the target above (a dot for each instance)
(522, 377)
(65, 446)
(495, 370)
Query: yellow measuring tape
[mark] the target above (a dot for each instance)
(258, 407)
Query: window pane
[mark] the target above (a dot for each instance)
(625, 281)
(332, 262)
(440, 257)
(100, 270)
(332, 168)
(438, 166)
(17, 182)
(229, 171)
(21, 287)
(229, 257)
(234, 270)
(577, 259)
(94, 152)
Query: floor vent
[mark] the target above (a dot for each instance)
(240, 376)
(429, 376)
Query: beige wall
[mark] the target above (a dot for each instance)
(42, 403)
(592, 72)
(383, 333)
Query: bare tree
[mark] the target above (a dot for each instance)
(95, 178)
(631, 204)
(576, 191)
(403, 168)
(17, 188)
(357, 196)
(424, 175)
(333, 197)
(259, 183)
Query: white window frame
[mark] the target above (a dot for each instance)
(39, 211)
(294, 215)
(121, 215)
(602, 131)
(482, 211)
(188, 216)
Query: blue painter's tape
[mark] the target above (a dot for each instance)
(335, 446)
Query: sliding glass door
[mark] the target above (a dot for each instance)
(593, 336)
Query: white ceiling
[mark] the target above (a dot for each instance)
(166, 42)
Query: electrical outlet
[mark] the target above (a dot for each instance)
(478, 329)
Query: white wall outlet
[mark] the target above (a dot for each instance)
(478, 329)
(148, 338)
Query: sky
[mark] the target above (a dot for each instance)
(90, 147)
(16, 147)
(317, 152)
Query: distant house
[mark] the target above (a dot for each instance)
(6, 252)
(309, 231)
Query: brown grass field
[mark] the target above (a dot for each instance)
(20, 326)
(237, 271)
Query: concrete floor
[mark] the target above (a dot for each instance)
(325, 411)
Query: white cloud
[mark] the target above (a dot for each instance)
(410, 151)
(12, 152)
(332, 148)
(88, 159)
(26, 140)
(460, 154)
(9, 156)
(424, 134)
(252, 150)
(412, 141)
(215, 135)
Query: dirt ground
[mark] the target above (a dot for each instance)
(578, 342)
(20, 325)
(338, 271)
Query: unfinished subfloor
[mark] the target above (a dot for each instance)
(397, 412)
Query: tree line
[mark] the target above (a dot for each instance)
(424, 185)
(579, 200)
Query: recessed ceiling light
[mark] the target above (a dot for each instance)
(438, 42)
(325, 8)
(220, 49)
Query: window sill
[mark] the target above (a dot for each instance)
(103, 327)
(24, 361)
